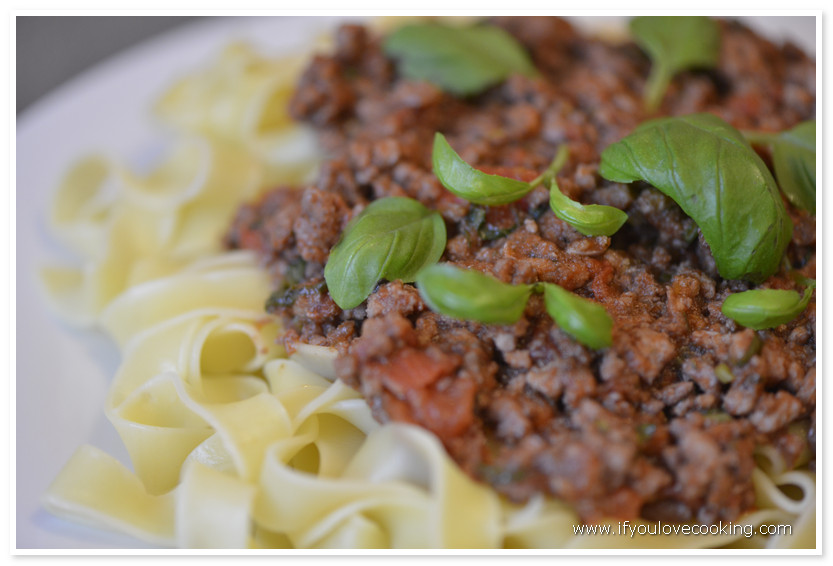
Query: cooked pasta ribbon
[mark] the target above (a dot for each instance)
(243, 98)
(129, 228)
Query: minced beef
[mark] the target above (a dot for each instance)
(664, 423)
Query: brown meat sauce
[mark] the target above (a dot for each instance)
(661, 425)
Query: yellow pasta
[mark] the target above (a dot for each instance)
(243, 99)
(129, 228)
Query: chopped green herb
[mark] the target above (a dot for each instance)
(723, 373)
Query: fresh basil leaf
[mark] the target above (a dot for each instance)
(674, 44)
(766, 308)
(794, 161)
(467, 182)
(393, 238)
(709, 169)
(463, 61)
(583, 319)
(468, 294)
(590, 219)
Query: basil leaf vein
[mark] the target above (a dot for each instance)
(766, 308)
(393, 238)
(460, 60)
(674, 44)
(467, 182)
(708, 168)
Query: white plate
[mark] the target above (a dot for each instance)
(62, 373)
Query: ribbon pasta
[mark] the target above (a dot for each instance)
(242, 98)
(203, 399)
(129, 228)
(232, 444)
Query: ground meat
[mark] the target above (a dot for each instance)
(319, 224)
(327, 94)
(661, 425)
(774, 411)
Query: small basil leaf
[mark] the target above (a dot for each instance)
(674, 44)
(393, 238)
(463, 61)
(467, 182)
(590, 219)
(583, 319)
(794, 161)
(709, 169)
(766, 308)
(468, 294)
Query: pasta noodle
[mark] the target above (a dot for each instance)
(254, 116)
(233, 444)
(131, 228)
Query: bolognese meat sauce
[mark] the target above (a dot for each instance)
(661, 425)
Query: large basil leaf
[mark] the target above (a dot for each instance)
(709, 169)
(463, 61)
(794, 160)
(674, 44)
(468, 294)
(766, 308)
(467, 182)
(583, 319)
(393, 238)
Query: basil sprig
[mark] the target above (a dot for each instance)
(460, 60)
(708, 168)
(482, 188)
(393, 238)
(674, 44)
(794, 161)
(766, 308)
(590, 219)
(471, 295)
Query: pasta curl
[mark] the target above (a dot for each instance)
(129, 229)
(203, 399)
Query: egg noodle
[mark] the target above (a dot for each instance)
(232, 443)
